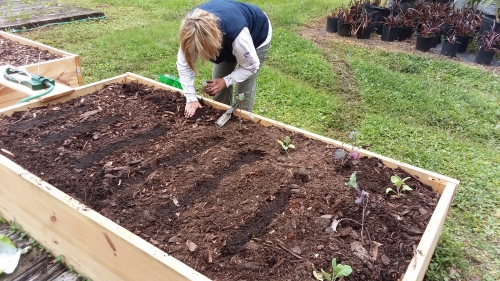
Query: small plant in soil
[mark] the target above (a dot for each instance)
(338, 270)
(345, 156)
(286, 144)
(400, 186)
(361, 200)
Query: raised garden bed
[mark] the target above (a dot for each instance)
(226, 202)
(39, 59)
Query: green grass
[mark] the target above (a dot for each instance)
(435, 114)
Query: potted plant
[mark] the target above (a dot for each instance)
(450, 45)
(332, 21)
(488, 46)
(390, 28)
(449, 20)
(363, 25)
(489, 21)
(464, 30)
(424, 38)
(376, 12)
(435, 24)
(345, 22)
(405, 23)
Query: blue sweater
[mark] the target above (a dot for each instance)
(234, 16)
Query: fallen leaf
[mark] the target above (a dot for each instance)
(374, 250)
(175, 239)
(176, 202)
(191, 246)
(297, 250)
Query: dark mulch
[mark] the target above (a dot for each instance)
(229, 202)
(16, 54)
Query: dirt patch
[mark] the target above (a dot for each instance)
(229, 202)
(16, 54)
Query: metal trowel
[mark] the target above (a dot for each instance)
(226, 116)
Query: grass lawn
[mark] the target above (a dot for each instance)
(435, 114)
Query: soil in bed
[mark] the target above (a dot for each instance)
(16, 54)
(229, 202)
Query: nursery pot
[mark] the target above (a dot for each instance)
(423, 43)
(384, 12)
(464, 42)
(484, 57)
(448, 49)
(389, 33)
(435, 40)
(332, 24)
(344, 29)
(404, 33)
(488, 22)
(364, 33)
(374, 12)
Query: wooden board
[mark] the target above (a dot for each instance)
(96, 247)
(19, 14)
(66, 70)
(36, 212)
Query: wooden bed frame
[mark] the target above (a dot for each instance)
(102, 250)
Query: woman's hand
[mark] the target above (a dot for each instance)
(191, 108)
(214, 86)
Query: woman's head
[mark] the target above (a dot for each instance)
(200, 35)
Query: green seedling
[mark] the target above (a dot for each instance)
(240, 98)
(338, 270)
(400, 186)
(353, 154)
(286, 144)
(58, 259)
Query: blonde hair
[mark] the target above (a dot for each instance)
(200, 35)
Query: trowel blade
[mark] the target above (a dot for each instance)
(226, 116)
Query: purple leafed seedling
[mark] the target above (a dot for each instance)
(361, 200)
(361, 193)
(345, 156)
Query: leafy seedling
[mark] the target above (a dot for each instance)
(10, 255)
(286, 144)
(361, 200)
(344, 155)
(400, 186)
(338, 270)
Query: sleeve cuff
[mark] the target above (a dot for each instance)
(229, 81)
(190, 97)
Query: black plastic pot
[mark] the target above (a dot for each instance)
(364, 33)
(435, 40)
(384, 12)
(374, 12)
(423, 43)
(389, 34)
(488, 22)
(332, 24)
(344, 29)
(448, 49)
(484, 57)
(404, 33)
(464, 42)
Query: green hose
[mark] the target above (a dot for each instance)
(51, 87)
